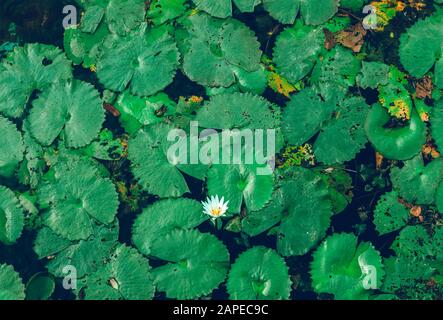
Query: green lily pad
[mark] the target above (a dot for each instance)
(126, 275)
(259, 273)
(148, 152)
(161, 11)
(297, 49)
(84, 48)
(120, 16)
(74, 108)
(390, 214)
(213, 50)
(398, 143)
(136, 112)
(238, 183)
(77, 197)
(11, 153)
(342, 137)
(372, 75)
(223, 8)
(313, 12)
(11, 217)
(420, 46)
(237, 111)
(197, 264)
(417, 183)
(302, 206)
(304, 114)
(87, 256)
(132, 62)
(11, 286)
(164, 216)
(437, 124)
(341, 267)
(29, 68)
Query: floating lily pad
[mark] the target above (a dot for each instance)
(345, 268)
(196, 264)
(398, 143)
(238, 183)
(259, 273)
(11, 216)
(72, 108)
(29, 68)
(132, 62)
(420, 46)
(214, 49)
(11, 286)
(390, 214)
(126, 275)
(12, 149)
(417, 183)
(297, 49)
(313, 12)
(85, 255)
(76, 198)
(164, 216)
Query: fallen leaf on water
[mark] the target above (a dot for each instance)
(378, 160)
(280, 84)
(352, 37)
(415, 211)
(424, 87)
(330, 40)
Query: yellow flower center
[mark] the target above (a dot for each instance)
(216, 211)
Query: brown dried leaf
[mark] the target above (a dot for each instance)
(424, 87)
(111, 109)
(378, 160)
(330, 41)
(352, 37)
(415, 211)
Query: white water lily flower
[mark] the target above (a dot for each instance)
(215, 207)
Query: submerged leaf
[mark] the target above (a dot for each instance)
(40, 287)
